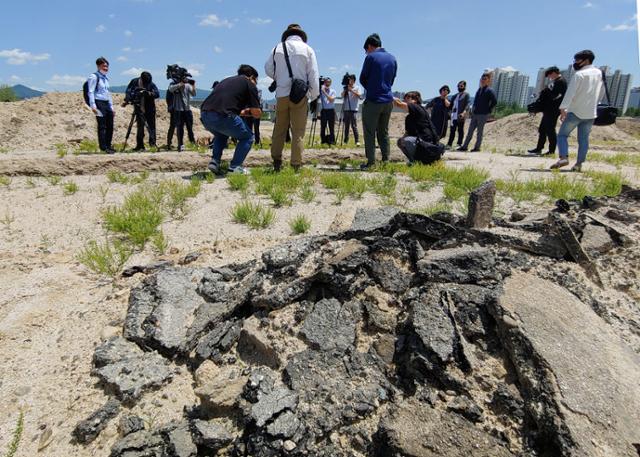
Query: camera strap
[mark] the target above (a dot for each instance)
(286, 58)
(606, 89)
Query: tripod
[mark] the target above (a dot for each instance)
(136, 112)
(314, 123)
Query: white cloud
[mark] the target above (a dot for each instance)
(195, 69)
(122, 58)
(588, 5)
(20, 57)
(128, 33)
(627, 26)
(213, 20)
(16, 79)
(101, 28)
(217, 49)
(126, 49)
(130, 49)
(260, 21)
(133, 71)
(66, 80)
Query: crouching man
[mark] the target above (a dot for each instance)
(222, 112)
(420, 140)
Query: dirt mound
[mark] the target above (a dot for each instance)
(334, 345)
(39, 123)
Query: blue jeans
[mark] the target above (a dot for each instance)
(584, 129)
(224, 126)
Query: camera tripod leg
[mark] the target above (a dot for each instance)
(126, 138)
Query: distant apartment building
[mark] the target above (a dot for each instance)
(634, 98)
(510, 86)
(619, 86)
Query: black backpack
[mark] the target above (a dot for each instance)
(85, 89)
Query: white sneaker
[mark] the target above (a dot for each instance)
(239, 170)
(358, 144)
(559, 164)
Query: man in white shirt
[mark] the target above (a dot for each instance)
(579, 108)
(303, 66)
(351, 99)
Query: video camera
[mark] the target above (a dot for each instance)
(179, 74)
(346, 78)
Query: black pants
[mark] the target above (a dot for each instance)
(105, 125)
(547, 130)
(151, 124)
(349, 119)
(327, 119)
(253, 124)
(178, 120)
(457, 126)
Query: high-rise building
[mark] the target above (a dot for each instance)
(510, 85)
(619, 86)
(634, 98)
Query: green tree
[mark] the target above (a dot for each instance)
(633, 112)
(507, 109)
(7, 94)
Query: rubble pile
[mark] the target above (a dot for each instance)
(406, 335)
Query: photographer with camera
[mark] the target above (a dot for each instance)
(222, 112)
(182, 89)
(293, 67)
(549, 104)
(142, 93)
(328, 113)
(350, 101)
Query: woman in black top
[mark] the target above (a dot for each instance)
(440, 107)
(417, 125)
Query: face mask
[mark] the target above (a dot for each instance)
(577, 66)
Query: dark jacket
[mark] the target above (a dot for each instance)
(377, 76)
(484, 101)
(145, 94)
(557, 89)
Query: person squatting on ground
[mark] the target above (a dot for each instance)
(221, 113)
(351, 99)
(181, 114)
(483, 104)
(377, 76)
(142, 93)
(101, 104)
(579, 108)
(459, 106)
(417, 126)
(304, 67)
(549, 99)
(328, 113)
(440, 108)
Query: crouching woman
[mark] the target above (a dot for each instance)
(420, 140)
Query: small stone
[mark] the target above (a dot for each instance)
(481, 203)
(88, 429)
(289, 445)
(130, 424)
(109, 332)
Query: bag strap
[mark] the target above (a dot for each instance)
(606, 89)
(97, 81)
(286, 58)
(274, 62)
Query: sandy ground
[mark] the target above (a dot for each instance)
(53, 311)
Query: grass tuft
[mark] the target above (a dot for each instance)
(17, 436)
(300, 224)
(69, 188)
(253, 214)
(5, 181)
(238, 181)
(107, 258)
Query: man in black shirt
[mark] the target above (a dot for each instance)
(417, 126)
(221, 115)
(142, 93)
(550, 99)
(483, 103)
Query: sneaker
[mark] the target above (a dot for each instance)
(181, 148)
(239, 170)
(277, 165)
(214, 167)
(475, 150)
(110, 151)
(577, 167)
(548, 153)
(138, 149)
(559, 164)
(365, 166)
(357, 144)
(462, 149)
(535, 151)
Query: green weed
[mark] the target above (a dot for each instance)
(17, 436)
(61, 149)
(307, 194)
(238, 181)
(69, 188)
(115, 176)
(300, 224)
(255, 215)
(160, 242)
(30, 182)
(107, 258)
(438, 207)
(177, 195)
(88, 147)
(139, 216)
(54, 180)
(5, 181)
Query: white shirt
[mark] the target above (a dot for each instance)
(584, 92)
(303, 66)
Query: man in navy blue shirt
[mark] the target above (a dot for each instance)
(483, 104)
(378, 73)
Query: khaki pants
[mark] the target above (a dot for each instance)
(288, 113)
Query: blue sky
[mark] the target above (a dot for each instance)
(53, 45)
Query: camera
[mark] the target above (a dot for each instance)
(179, 74)
(346, 78)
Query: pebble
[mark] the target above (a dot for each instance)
(289, 445)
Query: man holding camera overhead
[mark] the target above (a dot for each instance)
(142, 93)
(292, 65)
(182, 88)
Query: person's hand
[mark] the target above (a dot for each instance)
(95, 111)
(563, 114)
(123, 104)
(113, 113)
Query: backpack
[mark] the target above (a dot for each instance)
(85, 89)
(427, 152)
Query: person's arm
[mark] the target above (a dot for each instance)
(355, 91)
(568, 96)
(254, 103)
(313, 75)
(269, 65)
(493, 101)
(129, 92)
(395, 71)
(400, 104)
(175, 87)
(364, 73)
(430, 103)
(192, 89)
(330, 97)
(153, 89)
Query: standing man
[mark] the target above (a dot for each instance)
(459, 106)
(483, 104)
(305, 67)
(142, 93)
(440, 108)
(328, 113)
(377, 76)
(351, 98)
(182, 92)
(579, 108)
(221, 115)
(550, 98)
(101, 104)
